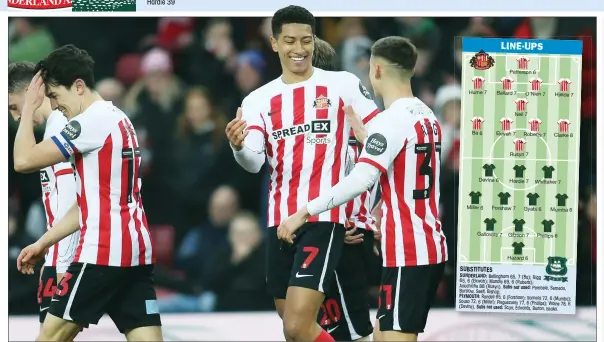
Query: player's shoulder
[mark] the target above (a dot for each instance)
(54, 124)
(264, 93)
(101, 117)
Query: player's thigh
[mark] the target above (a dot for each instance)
(84, 292)
(406, 296)
(152, 333)
(279, 259)
(57, 329)
(46, 289)
(135, 304)
(318, 248)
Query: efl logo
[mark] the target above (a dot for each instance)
(39, 4)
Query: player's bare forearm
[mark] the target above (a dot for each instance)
(25, 141)
(69, 224)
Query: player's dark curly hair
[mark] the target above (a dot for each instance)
(291, 15)
(20, 75)
(397, 50)
(65, 65)
(324, 57)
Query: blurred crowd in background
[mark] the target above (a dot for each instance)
(180, 80)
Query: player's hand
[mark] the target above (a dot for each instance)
(351, 238)
(29, 256)
(287, 228)
(36, 91)
(236, 131)
(355, 123)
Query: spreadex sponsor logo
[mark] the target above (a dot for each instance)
(315, 127)
(39, 4)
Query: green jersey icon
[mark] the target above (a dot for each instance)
(518, 225)
(518, 247)
(532, 198)
(490, 224)
(519, 171)
(488, 170)
(561, 199)
(547, 225)
(503, 198)
(475, 197)
(547, 171)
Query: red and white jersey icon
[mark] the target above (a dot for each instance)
(506, 123)
(564, 84)
(477, 82)
(506, 82)
(519, 144)
(563, 125)
(536, 84)
(477, 123)
(534, 124)
(521, 104)
(523, 62)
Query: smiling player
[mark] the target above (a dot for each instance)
(298, 122)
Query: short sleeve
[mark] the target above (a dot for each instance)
(83, 134)
(360, 99)
(384, 143)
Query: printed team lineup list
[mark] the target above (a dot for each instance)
(518, 200)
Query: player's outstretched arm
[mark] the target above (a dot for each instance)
(247, 143)
(360, 179)
(29, 156)
(66, 226)
(33, 253)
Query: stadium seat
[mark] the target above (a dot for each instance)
(163, 243)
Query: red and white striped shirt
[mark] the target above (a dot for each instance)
(519, 144)
(304, 133)
(563, 125)
(536, 84)
(521, 104)
(564, 84)
(523, 62)
(477, 82)
(534, 124)
(104, 148)
(506, 82)
(358, 210)
(506, 123)
(58, 195)
(404, 144)
(477, 123)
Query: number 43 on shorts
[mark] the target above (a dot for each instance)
(63, 287)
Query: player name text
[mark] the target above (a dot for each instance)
(561, 210)
(474, 207)
(506, 92)
(529, 209)
(546, 181)
(503, 208)
(518, 154)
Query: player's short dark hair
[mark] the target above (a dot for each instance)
(397, 50)
(291, 15)
(324, 57)
(65, 65)
(20, 75)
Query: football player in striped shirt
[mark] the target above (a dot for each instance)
(112, 270)
(345, 310)
(297, 122)
(402, 150)
(57, 181)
